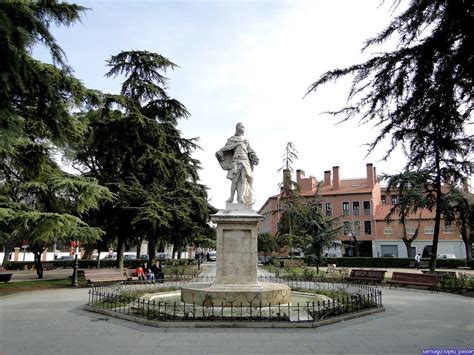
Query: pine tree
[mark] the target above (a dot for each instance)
(40, 202)
(420, 93)
(134, 148)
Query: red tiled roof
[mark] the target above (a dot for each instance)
(349, 186)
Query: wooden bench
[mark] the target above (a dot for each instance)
(366, 276)
(48, 265)
(422, 280)
(99, 276)
(443, 274)
(424, 264)
(131, 274)
(5, 277)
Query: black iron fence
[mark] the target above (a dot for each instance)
(124, 298)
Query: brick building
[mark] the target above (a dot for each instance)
(362, 205)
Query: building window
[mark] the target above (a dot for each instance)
(394, 200)
(384, 200)
(387, 231)
(356, 227)
(367, 227)
(328, 209)
(345, 208)
(429, 230)
(355, 208)
(448, 230)
(366, 208)
(346, 227)
(320, 206)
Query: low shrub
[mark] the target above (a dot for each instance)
(450, 263)
(288, 262)
(370, 262)
(104, 263)
(470, 263)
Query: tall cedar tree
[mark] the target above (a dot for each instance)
(420, 94)
(134, 148)
(39, 202)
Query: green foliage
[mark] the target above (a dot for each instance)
(420, 94)
(133, 147)
(266, 243)
(458, 208)
(287, 262)
(188, 264)
(40, 202)
(312, 231)
(289, 157)
(389, 262)
(470, 263)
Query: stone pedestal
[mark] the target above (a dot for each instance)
(236, 276)
(236, 245)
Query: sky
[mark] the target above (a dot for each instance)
(248, 61)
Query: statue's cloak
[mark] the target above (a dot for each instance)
(227, 152)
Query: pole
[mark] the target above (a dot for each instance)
(75, 282)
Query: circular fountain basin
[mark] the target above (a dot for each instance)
(264, 293)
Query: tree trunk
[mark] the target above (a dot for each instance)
(173, 250)
(139, 247)
(88, 249)
(9, 244)
(151, 248)
(38, 264)
(408, 243)
(120, 241)
(434, 250)
(467, 244)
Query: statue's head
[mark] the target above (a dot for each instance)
(239, 129)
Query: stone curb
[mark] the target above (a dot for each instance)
(238, 324)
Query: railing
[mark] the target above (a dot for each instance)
(114, 299)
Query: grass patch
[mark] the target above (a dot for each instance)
(9, 288)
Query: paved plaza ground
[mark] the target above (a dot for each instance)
(54, 322)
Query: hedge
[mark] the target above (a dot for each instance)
(389, 262)
(107, 263)
(470, 263)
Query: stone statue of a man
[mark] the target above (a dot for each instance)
(239, 159)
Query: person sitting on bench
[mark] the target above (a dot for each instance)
(158, 273)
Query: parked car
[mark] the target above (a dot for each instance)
(65, 258)
(211, 256)
(447, 256)
(162, 256)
